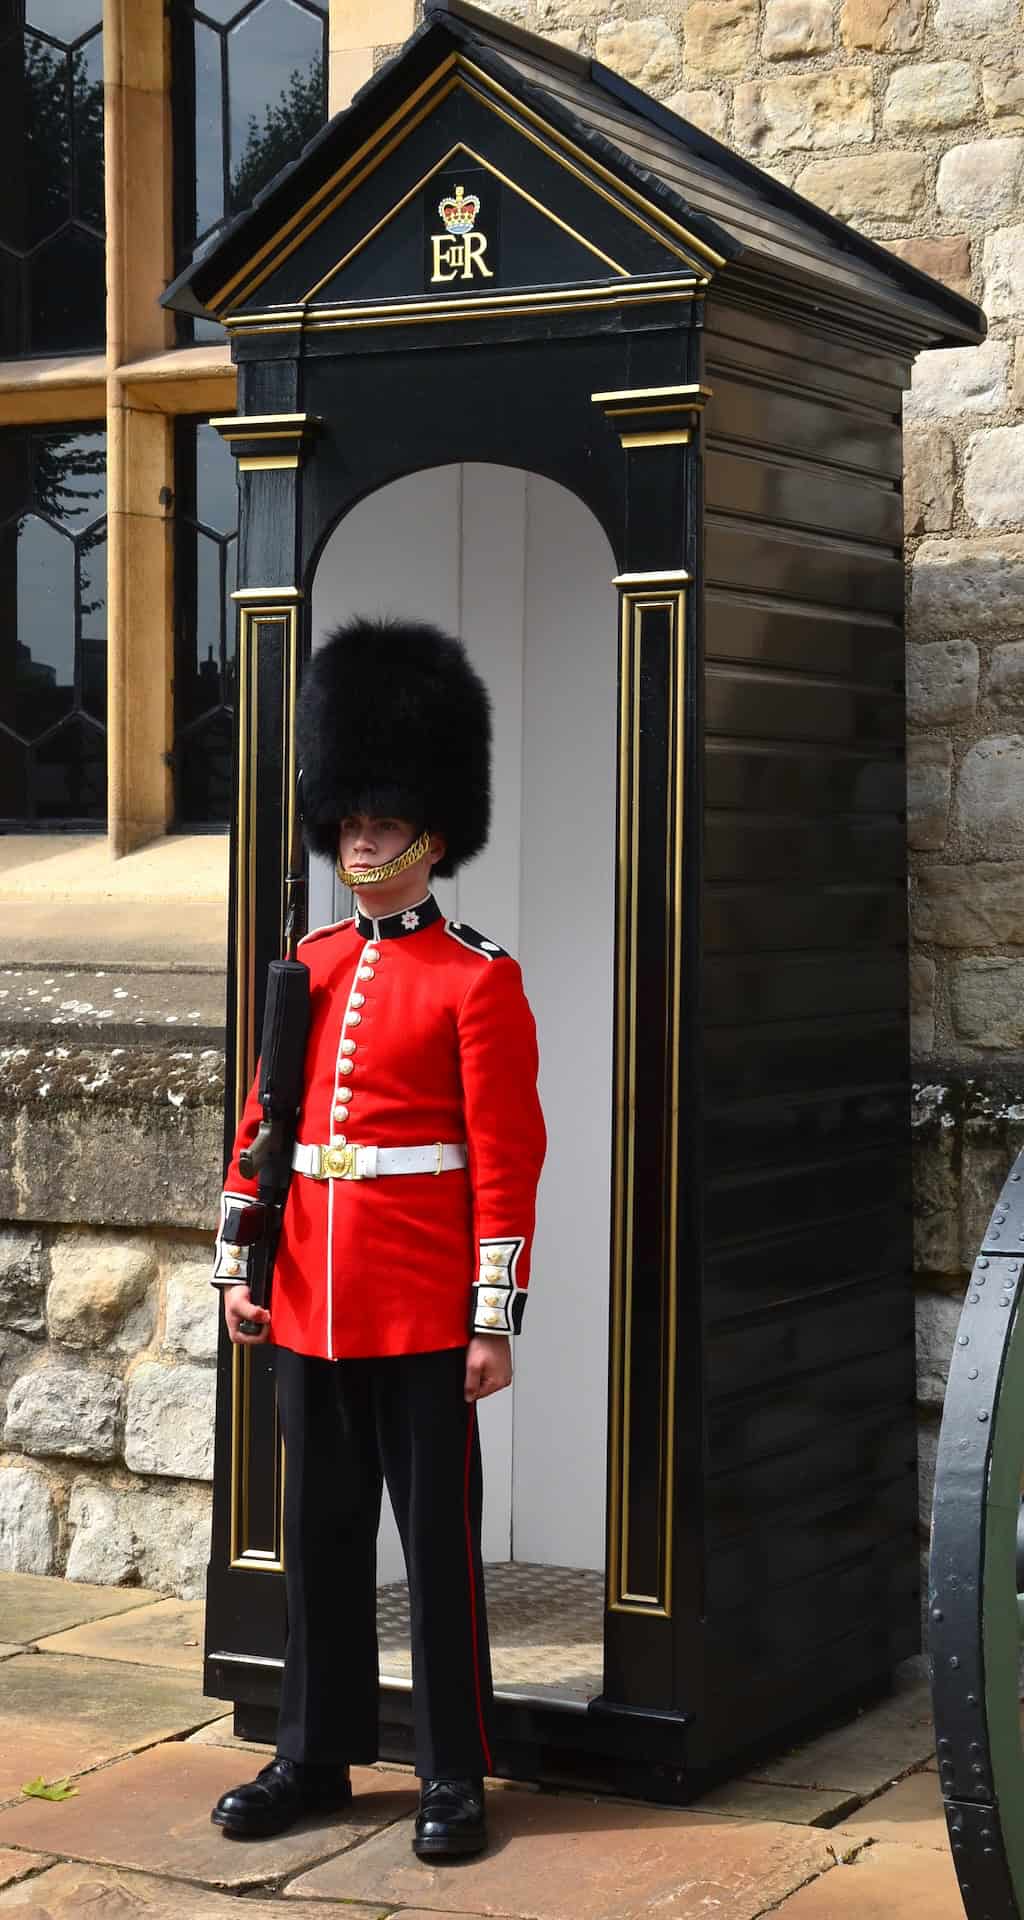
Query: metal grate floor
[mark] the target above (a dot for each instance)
(546, 1628)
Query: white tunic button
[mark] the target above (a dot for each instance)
(366, 973)
(352, 1019)
(339, 1140)
(371, 953)
(359, 999)
(348, 1046)
(345, 1066)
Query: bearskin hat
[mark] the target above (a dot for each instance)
(392, 718)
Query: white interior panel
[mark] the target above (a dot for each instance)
(520, 568)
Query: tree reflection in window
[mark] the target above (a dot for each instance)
(52, 291)
(206, 548)
(250, 89)
(53, 638)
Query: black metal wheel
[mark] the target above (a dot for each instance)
(974, 1583)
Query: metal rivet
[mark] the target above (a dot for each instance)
(982, 1415)
(963, 1339)
(983, 1263)
(978, 1768)
(999, 1219)
(945, 1746)
(1007, 1302)
(980, 1279)
(975, 1747)
(994, 1234)
(973, 1373)
(954, 1660)
(937, 1615)
(1015, 1176)
(972, 1699)
(974, 1298)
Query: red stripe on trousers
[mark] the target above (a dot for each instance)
(470, 1427)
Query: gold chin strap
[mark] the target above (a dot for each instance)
(389, 871)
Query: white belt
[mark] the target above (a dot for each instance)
(369, 1163)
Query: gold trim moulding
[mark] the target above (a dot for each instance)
(480, 306)
(267, 593)
(267, 462)
(672, 577)
(691, 396)
(239, 426)
(666, 438)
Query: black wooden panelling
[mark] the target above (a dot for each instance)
(784, 1269)
(753, 1356)
(786, 847)
(858, 646)
(758, 986)
(796, 776)
(865, 1388)
(744, 919)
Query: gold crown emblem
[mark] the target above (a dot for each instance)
(459, 210)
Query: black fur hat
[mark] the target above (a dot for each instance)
(392, 718)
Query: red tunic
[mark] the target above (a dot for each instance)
(420, 1033)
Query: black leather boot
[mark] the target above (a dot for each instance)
(451, 1818)
(280, 1794)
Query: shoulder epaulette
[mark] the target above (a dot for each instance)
(320, 933)
(476, 942)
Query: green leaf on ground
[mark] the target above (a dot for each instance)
(57, 1789)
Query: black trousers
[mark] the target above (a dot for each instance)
(349, 1426)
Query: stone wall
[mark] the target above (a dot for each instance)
(109, 1173)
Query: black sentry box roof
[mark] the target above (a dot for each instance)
(743, 222)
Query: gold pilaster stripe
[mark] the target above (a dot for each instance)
(670, 437)
(268, 462)
(622, 1598)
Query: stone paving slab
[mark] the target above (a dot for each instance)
(563, 1857)
(152, 1813)
(33, 1604)
(219, 1734)
(910, 1814)
(14, 1866)
(868, 1753)
(61, 1715)
(72, 1890)
(762, 1800)
(881, 1883)
(168, 1633)
(9, 1647)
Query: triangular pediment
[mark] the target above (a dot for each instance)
(389, 225)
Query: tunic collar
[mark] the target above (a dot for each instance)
(394, 926)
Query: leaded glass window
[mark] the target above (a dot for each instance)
(52, 283)
(250, 88)
(53, 636)
(206, 546)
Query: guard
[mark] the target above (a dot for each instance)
(404, 1255)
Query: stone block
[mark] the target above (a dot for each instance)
(927, 1451)
(352, 26)
(928, 478)
(938, 1316)
(988, 1002)
(973, 906)
(76, 1413)
(928, 97)
(990, 798)
(1003, 86)
(968, 584)
(884, 26)
(1006, 676)
(102, 1540)
(936, 1201)
(867, 186)
(1002, 265)
(703, 108)
(929, 779)
(721, 36)
(169, 1427)
(794, 28)
(922, 1004)
(1018, 375)
(29, 1526)
(994, 477)
(171, 1527)
(975, 16)
(955, 382)
(22, 1281)
(942, 681)
(817, 110)
(644, 51)
(947, 259)
(193, 1312)
(101, 1292)
(981, 180)
(984, 1166)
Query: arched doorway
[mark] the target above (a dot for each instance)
(520, 568)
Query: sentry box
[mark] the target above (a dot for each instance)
(521, 352)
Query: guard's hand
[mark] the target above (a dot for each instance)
(238, 1305)
(488, 1364)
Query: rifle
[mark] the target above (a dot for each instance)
(282, 1073)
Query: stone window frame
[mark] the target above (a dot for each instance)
(146, 380)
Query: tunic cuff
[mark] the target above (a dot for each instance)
(231, 1260)
(498, 1302)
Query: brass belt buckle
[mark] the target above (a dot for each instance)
(338, 1163)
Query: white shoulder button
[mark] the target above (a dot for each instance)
(476, 942)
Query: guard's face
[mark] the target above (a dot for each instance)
(370, 840)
